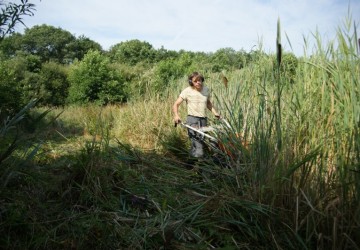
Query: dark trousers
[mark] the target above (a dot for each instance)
(197, 140)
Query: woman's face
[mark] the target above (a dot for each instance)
(197, 83)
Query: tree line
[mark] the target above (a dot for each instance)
(58, 68)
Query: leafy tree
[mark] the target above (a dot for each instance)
(165, 71)
(30, 86)
(10, 45)
(18, 80)
(164, 54)
(47, 42)
(26, 78)
(132, 52)
(134, 77)
(243, 58)
(93, 80)
(79, 47)
(31, 63)
(53, 84)
(64, 50)
(9, 89)
(10, 15)
(228, 58)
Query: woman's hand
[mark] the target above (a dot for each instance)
(177, 119)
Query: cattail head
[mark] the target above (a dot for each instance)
(225, 81)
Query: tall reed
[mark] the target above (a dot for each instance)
(311, 167)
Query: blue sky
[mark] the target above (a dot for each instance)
(198, 25)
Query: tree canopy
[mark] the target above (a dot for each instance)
(133, 52)
(59, 68)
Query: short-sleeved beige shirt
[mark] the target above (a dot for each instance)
(196, 100)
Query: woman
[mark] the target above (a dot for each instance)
(197, 98)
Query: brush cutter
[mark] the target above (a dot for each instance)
(201, 131)
(224, 141)
(203, 134)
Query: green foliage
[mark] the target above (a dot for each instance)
(132, 52)
(79, 47)
(93, 80)
(228, 58)
(288, 66)
(35, 59)
(28, 62)
(53, 84)
(158, 80)
(20, 80)
(12, 14)
(167, 71)
(163, 54)
(107, 194)
(9, 141)
(17, 145)
(10, 45)
(9, 90)
(30, 86)
(133, 77)
(48, 42)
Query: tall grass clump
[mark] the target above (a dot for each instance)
(303, 157)
(18, 144)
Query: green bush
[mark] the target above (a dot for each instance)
(93, 80)
(9, 90)
(167, 71)
(53, 83)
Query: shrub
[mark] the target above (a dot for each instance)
(93, 80)
(54, 85)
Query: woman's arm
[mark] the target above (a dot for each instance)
(212, 109)
(176, 110)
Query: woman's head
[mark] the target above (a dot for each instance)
(195, 77)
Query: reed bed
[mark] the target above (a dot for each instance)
(289, 178)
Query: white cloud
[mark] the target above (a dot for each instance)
(197, 25)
